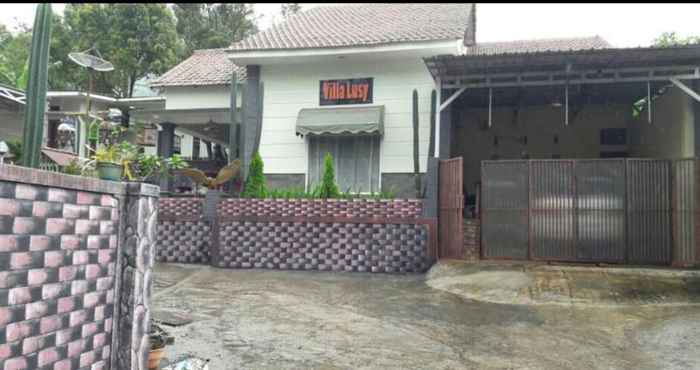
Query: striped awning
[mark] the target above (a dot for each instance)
(341, 121)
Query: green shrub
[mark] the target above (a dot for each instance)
(329, 189)
(255, 183)
(15, 147)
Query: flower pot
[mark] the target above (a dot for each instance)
(109, 171)
(154, 358)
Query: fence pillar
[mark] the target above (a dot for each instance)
(138, 234)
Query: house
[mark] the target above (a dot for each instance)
(539, 129)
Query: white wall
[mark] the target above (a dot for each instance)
(199, 97)
(290, 88)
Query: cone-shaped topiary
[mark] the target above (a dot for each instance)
(255, 183)
(329, 189)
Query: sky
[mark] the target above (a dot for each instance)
(623, 25)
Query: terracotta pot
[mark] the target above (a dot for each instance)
(154, 357)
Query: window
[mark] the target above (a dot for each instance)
(356, 161)
(177, 144)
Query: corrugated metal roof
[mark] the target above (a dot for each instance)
(557, 59)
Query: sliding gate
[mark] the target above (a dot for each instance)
(598, 210)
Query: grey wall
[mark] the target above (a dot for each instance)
(285, 181)
(401, 184)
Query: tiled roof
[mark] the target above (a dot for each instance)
(365, 24)
(534, 46)
(204, 67)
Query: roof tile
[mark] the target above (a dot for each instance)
(363, 24)
(204, 67)
(534, 46)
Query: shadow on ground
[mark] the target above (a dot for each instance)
(261, 319)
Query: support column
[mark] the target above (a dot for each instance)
(137, 242)
(445, 132)
(251, 105)
(696, 119)
(166, 143)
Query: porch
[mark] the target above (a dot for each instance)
(540, 127)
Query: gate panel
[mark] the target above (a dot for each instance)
(552, 217)
(684, 199)
(600, 187)
(451, 202)
(504, 229)
(648, 211)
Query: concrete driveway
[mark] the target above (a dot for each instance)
(446, 319)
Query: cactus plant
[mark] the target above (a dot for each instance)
(416, 164)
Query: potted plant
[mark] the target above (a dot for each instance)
(108, 163)
(158, 339)
(142, 167)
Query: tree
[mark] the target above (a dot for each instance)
(139, 39)
(289, 9)
(14, 55)
(329, 188)
(672, 39)
(255, 186)
(213, 25)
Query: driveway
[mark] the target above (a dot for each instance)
(446, 319)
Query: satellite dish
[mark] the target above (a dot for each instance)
(94, 62)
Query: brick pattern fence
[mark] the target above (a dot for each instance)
(60, 271)
(303, 234)
(472, 239)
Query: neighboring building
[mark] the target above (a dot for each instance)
(62, 129)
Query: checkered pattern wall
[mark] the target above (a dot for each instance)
(183, 241)
(345, 235)
(57, 277)
(179, 207)
(320, 208)
(323, 246)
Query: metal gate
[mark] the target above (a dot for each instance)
(593, 210)
(451, 202)
(504, 209)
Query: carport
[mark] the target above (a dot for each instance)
(581, 155)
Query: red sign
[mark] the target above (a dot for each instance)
(349, 91)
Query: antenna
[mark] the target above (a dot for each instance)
(89, 61)
(92, 63)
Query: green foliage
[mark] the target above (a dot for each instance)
(138, 166)
(15, 147)
(73, 168)
(255, 184)
(288, 9)
(668, 39)
(329, 188)
(138, 39)
(14, 56)
(213, 25)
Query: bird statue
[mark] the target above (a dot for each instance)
(225, 174)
